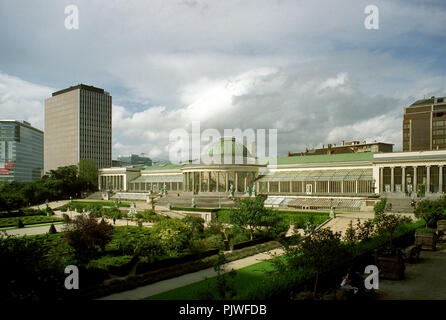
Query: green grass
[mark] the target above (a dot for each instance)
(99, 203)
(297, 217)
(27, 220)
(244, 278)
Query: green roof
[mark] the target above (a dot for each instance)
(324, 158)
(228, 147)
(164, 166)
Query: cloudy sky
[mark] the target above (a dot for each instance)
(308, 68)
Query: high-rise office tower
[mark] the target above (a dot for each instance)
(424, 125)
(21, 151)
(78, 125)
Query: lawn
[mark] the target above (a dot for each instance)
(27, 220)
(99, 203)
(300, 218)
(244, 278)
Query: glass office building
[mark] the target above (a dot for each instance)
(21, 151)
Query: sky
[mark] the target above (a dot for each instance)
(310, 69)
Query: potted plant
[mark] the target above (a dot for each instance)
(430, 212)
(427, 238)
(389, 259)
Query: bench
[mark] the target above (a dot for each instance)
(412, 253)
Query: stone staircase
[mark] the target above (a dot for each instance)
(95, 196)
(401, 205)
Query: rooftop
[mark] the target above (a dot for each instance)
(427, 102)
(80, 86)
(324, 158)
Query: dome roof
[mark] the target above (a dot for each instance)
(228, 147)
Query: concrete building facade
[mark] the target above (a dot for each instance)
(78, 125)
(424, 125)
(21, 151)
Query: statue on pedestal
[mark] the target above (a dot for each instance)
(253, 193)
(231, 190)
(332, 213)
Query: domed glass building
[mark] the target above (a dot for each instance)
(224, 167)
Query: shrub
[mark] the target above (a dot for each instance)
(66, 218)
(430, 212)
(52, 229)
(239, 238)
(197, 226)
(85, 235)
(173, 233)
(382, 206)
(215, 241)
(20, 223)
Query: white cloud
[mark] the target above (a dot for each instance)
(22, 100)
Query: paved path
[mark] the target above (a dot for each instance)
(425, 280)
(169, 284)
(342, 220)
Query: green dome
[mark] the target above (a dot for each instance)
(228, 147)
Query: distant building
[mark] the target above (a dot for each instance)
(21, 151)
(424, 125)
(134, 159)
(348, 147)
(78, 125)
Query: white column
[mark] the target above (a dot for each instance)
(440, 179)
(328, 186)
(209, 181)
(199, 182)
(428, 179)
(236, 182)
(381, 180)
(267, 186)
(392, 179)
(218, 180)
(356, 186)
(227, 181)
(291, 186)
(403, 179)
(342, 186)
(415, 182)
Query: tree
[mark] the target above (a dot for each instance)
(173, 233)
(388, 223)
(382, 206)
(196, 224)
(251, 214)
(52, 229)
(429, 211)
(321, 249)
(88, 174)
(86, 236)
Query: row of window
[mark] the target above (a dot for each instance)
(439, 123)
(439, 132)
(439, 141)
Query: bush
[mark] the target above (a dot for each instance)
(52, 229)
(215, 241)
(430, 212)
(20, 223)
(66, 218)
(85, 235)
(382, 206)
